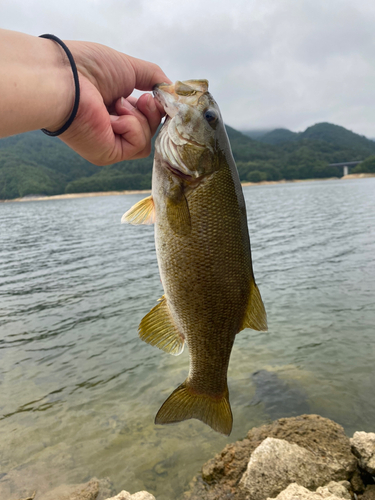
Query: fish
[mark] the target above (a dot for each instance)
(203, 251)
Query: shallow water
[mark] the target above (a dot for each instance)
(79, 390)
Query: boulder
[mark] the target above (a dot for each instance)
(363, 447)
(276, 463)
(333, 491)
(324, 439)
(140, 495)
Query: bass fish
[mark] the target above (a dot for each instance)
(203, 251)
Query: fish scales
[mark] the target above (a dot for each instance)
(209, 272)
(203, 249)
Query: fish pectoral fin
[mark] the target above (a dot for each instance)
(255, 315)
(157, 328)
(178, 215)
(142, 212)
(184, 404)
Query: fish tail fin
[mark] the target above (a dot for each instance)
(184, 403)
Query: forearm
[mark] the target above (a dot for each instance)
(36, 84)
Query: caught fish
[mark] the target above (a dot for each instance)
(203, 251)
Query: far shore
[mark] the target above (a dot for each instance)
(148, 191)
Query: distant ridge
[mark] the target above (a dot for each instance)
(279, 135)
(328, 132)
(34, 164)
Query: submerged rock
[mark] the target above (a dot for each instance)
(94, 489)
(279, 398)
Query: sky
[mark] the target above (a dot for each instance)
(270, 63)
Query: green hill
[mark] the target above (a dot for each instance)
(33, 163)
(340, 137)
(327, 132)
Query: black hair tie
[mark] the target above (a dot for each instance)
(76, 83)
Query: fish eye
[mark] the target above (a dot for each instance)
(210, 116)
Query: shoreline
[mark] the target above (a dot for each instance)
(148, 191)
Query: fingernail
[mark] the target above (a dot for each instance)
(113, 118)
(151, 104)
(126, 104)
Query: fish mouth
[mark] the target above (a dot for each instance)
(159, 94)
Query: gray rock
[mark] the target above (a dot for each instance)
(363, 447)
(276, 463)
(297, 492)
(140, 495)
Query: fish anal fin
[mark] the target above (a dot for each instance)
(157, 328)
(255, 315)
(184, 404)
(142, 212)
(178, 215)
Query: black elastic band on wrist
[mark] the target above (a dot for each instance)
(76, 83)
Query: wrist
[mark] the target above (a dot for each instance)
(72, 115)
(36, 84)
(62, 87)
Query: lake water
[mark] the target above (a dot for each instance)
(79, 390)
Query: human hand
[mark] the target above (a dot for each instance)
(110, 125)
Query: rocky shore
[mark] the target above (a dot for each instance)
(300, 458)
(306, 457)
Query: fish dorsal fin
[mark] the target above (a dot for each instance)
(142, 212)
(255, 315)
(157, 328)
(178, 215)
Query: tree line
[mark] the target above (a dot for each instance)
(34, 164)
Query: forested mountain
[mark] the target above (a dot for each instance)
(333, 134)
(33, 163)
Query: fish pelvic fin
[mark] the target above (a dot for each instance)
(157, 328)
(184, 404)
(142, 212)
(255, 315)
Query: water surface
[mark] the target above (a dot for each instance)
(79, 390)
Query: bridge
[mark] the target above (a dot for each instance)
(345, 166)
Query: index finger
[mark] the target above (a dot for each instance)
(147, 74)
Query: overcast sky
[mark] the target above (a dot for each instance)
(270, 63)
